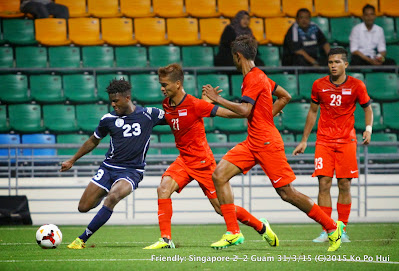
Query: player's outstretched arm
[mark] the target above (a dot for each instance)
(241, 109)
(283, 97)
(310, 121)
(87, 147)
(368, 119)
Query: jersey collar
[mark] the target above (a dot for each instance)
(182, 100)
(346, 79)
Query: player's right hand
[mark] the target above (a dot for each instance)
(66, 165)
(300, 148)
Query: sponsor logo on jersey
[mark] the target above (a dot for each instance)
(328, 89)
(182, 112)
(346, 91)
(119, 122)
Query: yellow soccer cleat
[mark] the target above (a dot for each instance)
(269, 236)
(335, 237)
(229, 239)
(161, 244)
(77, 244)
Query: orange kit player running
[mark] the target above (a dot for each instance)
(336, 95)
(184, 114)
(263, 146)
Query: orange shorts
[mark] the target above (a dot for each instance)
(340, 157)
(272, 160)
(183, 175)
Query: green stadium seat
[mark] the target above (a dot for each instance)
(98, 56)
(215, 80)
(278, 122)
(152, 150)
(160, 56)
(79, 88)
(294, 116)
(208, 124)
(383, 137)
(146, 88)
(4, 126)
(388, 24)
(102, 151)
(60, 118)
(19, 31)
(237, 137)
(190, 85)
(70, 139)
(38, 139)
(306, 83)
(6, 57)
(236, 83)
(131, 56)
(168, 138)
(103, 81)
(197, 56)
(31, 116)
(312, 138)
(323, 24)
(88, 116)
(230, 125)
(217, 138)
(269, 55)
(288, 82)
(393, 51)
(31, 57)
(357, 75)
(341, 28)
(391, 113)
(14, 88)
(288, 138)
(382, 86)
(46, 88)
(64, 57)
(378, 124)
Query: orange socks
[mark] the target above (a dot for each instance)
(165, 217)
(230, 217)
(344, 211)
(317, 214)
(246, 218)
(328, 211)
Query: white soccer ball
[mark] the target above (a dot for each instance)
(48, 236)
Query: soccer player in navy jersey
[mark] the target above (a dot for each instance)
(130, 127)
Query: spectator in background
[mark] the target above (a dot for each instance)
(239, 26)
(304, 43)
(367, 41)
(44, 8)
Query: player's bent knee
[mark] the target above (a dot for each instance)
(84, 208)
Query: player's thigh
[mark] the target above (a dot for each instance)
(178, 172)
(91, 196)
(324, 160)
(118, 191)
(346, 161)
(204, 178)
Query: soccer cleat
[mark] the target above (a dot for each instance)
(161, 244)
(229, 239)
(77, 244)
(269, 236)
(345, 237)
(323, 237)
(335, 237)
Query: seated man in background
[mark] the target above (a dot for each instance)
(304, 43)
(367, 41)
(44, 8)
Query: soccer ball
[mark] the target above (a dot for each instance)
(48, 236)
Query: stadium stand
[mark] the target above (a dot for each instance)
(201, 8)
(169, 8)
(4, 125)
(276, 28)
(8, 139)
(197, 56)
(236, 82)
(150, 31)
(266, 8)
(190, 85)
(60, 118)
(306, 83)
(232, 126)
(46, 88)
(258, 29)
(79, 88)
(19, 31)
(290, 7)
(51, 31)
(64, 57)
(229, 8)
(98, 56)
(215, 80)
(38, 139)
(103, 8)
(391, 113)
(217, 138)
(341, 29)
(323, 24)
(183, 31)
(88, 116)
(14, 88)
(131, 56)
(312, 138)
(136, 8)
(117, 31)
(168, 138)
(146, 88)
(326, 9)
(85, 31)
(211, 29)
(288, 82)
(378, 123)
(288, 138)
(382, 86)
(10, 9)
(294, 116)
(103, 81)
(389, 7)
(355, 7)
(388, 24)
(31, 57)
(30, 113)
(77, 8)
(393, 52)
(269, 55)
(163, 55)
(70, 139)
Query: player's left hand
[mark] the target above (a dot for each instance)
(366, 137)
(211, 93)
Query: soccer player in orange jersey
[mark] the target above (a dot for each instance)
(263, 146)
(337, 95)
(184, 113)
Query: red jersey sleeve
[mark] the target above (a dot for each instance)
(315, 94)
(205, 109)
(362, 96)
(272, 84)
(252, 88)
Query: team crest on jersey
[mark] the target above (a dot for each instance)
(119, 122)
(346, 91)
(182, 112)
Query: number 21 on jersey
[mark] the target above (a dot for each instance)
(175, 123)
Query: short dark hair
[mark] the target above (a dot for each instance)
(246, 45)
(173, 71)
(302, 10)
(368, 6)
(119, 86)
(339, 51)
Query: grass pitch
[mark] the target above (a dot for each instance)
(373, 246)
